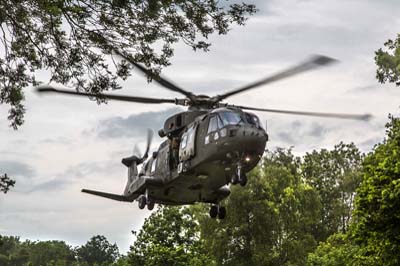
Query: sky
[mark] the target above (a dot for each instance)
(69, 143)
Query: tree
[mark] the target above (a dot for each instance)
(72, 39)
(12, 252)
(50, 253)
(373, 236)
(6, 183)
(335, 175)
(270, 221)
(170, 236)
(97, 252)
(388, 62)
(377, 215)
(339, 250)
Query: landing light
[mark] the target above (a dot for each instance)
(247, 159)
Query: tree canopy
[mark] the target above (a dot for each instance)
(98, 251)
(6, 183)
(378, 200)
(335, 175)
(71, 39)
(270, 221)
(288, 206)
(373, 235)
(388, 62)
(170, 236)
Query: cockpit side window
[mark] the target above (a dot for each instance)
(213, 124)
(230, 118)
(253, 120)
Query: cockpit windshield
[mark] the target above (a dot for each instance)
(230, 118)
(253, 120)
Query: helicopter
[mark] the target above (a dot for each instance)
(207, 148)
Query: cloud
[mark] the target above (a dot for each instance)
(57, 140)
(297, 131)
(134, 125)
(17, 169)
(74, 173)
(55, 184)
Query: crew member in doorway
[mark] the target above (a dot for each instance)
(174, 152)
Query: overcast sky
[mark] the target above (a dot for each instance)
(68, 143)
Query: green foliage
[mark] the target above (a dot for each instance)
(12, 252)
(169, 236)
(72, 38)
(50, 253)
(6, 183)
(269, 222)
(97, 252)
(388, 62)
(377, 226)
(339, 250)
(335, 175)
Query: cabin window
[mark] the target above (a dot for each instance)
(187, 148)
(230, 118)
(213, 124)
(153, 165)
(190, 134)
(184, 141)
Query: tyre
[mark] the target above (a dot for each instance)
(221, 213)
(213, 211)
(142, 202)
(150, 204)
(243, 180)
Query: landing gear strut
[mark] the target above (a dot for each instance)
(217, 210)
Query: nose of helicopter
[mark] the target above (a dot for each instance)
(245, 139)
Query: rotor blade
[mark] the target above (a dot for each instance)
(124, 98)
(149, 139)
(162, 81)
(136, 151)
(364, 117)
(312, 63)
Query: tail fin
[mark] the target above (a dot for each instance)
(108, 195)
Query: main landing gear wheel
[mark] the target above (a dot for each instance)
(142, 202)
(219, 211)
(150, 204)
(214, 211)
(243, 180)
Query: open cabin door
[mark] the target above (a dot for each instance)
(187, 148)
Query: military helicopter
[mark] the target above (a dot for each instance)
(207, 148)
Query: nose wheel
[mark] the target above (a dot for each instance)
(218, 211)
(239, 177)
